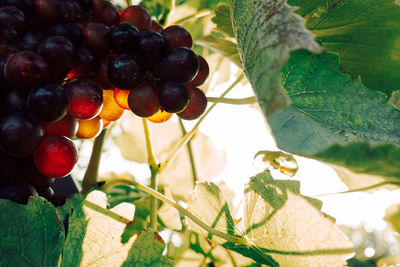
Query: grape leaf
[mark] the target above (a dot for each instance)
(224, 47)
(147, 251)
(365, 35)
(267, 31)
(330, 112)
(223, 20)
(395, 99)
(94, 233)
(168, 214)
(285, 225)
(393, 216)
(158, 8)
(30, 235)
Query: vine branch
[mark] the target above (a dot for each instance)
(92, 171)
(190, 151)
(233, 101)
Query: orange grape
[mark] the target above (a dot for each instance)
(121, 98)
(89, 128)
(111, 110)
(160, 116)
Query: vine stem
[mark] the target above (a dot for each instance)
(183, 141)
(197, 15)
(190, 151)
(92, 171)
(233, 101)
(359, 189)
(153, 178)
(235, 239)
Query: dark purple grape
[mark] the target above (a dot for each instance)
(15, 102)
(20, 134)
(71, 10)
(86, 64)
(85, 99)
(45, 14)
(173, 97)
(102, 75)
(136, 15)
(179, 65)
(5, 53)
(95, 37)
(156, 27)
(25, 69)
(202, 75)
(7, 35)
(25, 6)
(106, 13)
(18, 192)
(197, 104)
(47, 193)
(27, 172)
(12, 17)
(176, 36)
(58, 52)
(143, 100)
(32, 40)
(124, 38)
(8, 168)
(124, 72)
(152, 48)
(69, 30)
(48, 102)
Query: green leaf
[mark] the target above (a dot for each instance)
(288, 227)
(267, 31)
(147, 251)
(331, 109)
(393, 216)
(30, 235)
(365, 35)
(159, 8)
(223, 20)
(395, 99)
(224, 47)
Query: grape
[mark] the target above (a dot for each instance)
(25, 69)
(56, 49)
(179, 65)
(9, 168)
(48, 102)
(56, 156)
(45, 14)
(124, 72)
(151, 48)
(202, 75)
(10, 16)
(86, 64)
(106, 13)
(106, 123)
(7, 35)
(121, 98)
(95, 37)
(124, 38)
(173, 97)
(102, 75)
(160, 116)
(71, 10)
(156, 27)
(25, 6)
(28, 172)
(20, 134)
(15, 102)
(138, 16)
(47, 193)
(69, 30)
(89, 128)
(5, 52)
(32, 40)
(176, 36)
(67, 126)
(85, 99)
(18, 192)
(143, 100)
(111, 111)
(197, 104)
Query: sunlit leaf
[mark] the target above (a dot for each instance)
(221, 46)
(285, 225)
(365, 35)
(168, 214)
(30, 235)
(223, 20)
(267, 31)
(284, 162)
(158, 8)
(393, 216)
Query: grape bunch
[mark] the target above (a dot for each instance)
(68, 68)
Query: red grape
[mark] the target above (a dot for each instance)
(138, 16)
(197, 104)
(67, 126)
